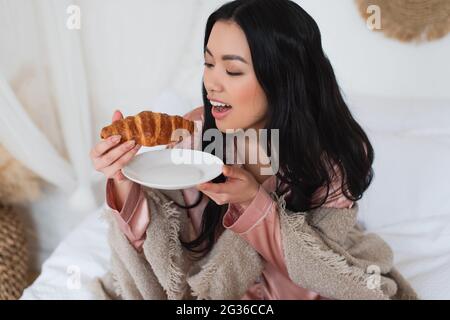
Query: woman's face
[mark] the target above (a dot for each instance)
(228, 52)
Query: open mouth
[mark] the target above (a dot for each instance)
(221, 108)
(219, 112)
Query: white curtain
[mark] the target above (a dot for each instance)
(71, 95)
(69, 92)
(111, 44)
(28, 144)
(60, 86)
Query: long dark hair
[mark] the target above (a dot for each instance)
(316, 129)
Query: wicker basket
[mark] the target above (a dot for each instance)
(13, 254)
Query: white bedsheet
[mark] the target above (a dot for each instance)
(82, 256)
(422, 254)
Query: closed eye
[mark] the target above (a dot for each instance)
(209, 65)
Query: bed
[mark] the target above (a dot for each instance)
(408, 204)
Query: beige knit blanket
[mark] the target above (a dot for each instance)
(325, 251)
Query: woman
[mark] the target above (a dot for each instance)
(264, 60)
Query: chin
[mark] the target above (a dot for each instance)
(222, 126)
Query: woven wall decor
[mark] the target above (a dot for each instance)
(410, 20)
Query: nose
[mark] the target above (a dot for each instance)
(213, 87)
(212, 83)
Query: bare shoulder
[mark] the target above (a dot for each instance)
(195, 114)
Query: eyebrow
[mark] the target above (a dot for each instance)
(228, 56)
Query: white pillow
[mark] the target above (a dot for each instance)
(411, 180)
(400, 114)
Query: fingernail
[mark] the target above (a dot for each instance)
(131, 143)
(137, 146)
(115, 138)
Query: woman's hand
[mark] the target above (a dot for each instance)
(108, 156)
(240, 187)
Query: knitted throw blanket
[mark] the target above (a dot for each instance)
(325, 251)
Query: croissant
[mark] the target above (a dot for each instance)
(147, 128)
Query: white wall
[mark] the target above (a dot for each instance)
(136, 49)
(367, 62)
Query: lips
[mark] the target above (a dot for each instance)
(216, 101)
(216, 104)
(219, 105)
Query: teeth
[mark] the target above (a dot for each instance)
(221, 109)
(218, 104)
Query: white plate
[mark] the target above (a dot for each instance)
(143, 149)
(173, 169)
